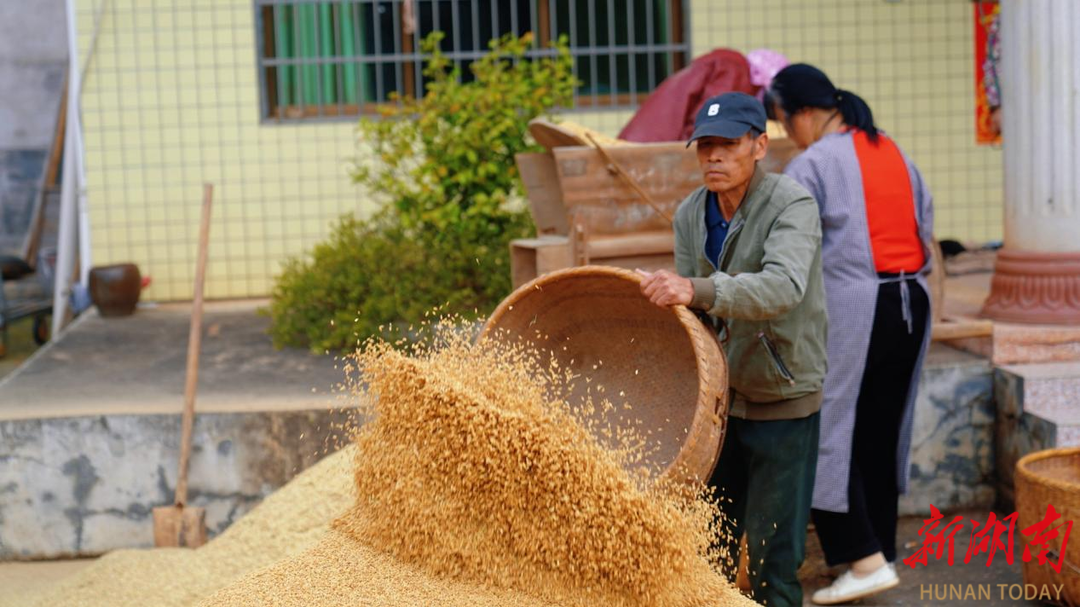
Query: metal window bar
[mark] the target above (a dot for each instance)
(476, 24)
(338, 70)
(298, 72)
(399, 72)
(631, 58)
(463, 55)
(418, 64)
(669, 34)
(435, 17)
(282, 47)
(376, 20)
(365, 74)
(613, 62)
(455, 18)
(594, 73)
(316, 48)
(323, 55)
(513, 17)
(649, 59)
(571, 18)
(534, 21)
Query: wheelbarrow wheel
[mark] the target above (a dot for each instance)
(41, 329)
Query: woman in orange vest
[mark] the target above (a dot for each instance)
(877, 223)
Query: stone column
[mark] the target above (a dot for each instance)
(1037, 275)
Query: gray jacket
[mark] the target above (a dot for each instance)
(769, 293)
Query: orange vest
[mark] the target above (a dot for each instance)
(890, 205)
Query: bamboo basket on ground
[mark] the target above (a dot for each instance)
(1050, 477)
(665, 363)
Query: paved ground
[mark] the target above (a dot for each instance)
(16, 578)
(136, 364)
(965, 294)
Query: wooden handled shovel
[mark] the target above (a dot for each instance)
(180, 525)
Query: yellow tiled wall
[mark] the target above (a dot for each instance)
(171, 100)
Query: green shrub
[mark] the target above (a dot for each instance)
(442, 170)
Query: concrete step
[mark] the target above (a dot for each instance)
(1038, 407)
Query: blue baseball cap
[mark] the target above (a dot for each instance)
(730, 115)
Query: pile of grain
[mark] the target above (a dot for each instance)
(473, 470)
(286, 523)
(343, 572)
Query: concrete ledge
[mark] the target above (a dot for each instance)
(90, 426)
(80, 486)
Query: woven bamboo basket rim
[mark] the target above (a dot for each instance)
(1023, 468)
(683, 313)
(685, 316)
(710, 386)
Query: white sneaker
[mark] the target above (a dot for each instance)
(848, 587)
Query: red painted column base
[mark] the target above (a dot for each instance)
(1036, 288)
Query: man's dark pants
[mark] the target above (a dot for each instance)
(766, 469)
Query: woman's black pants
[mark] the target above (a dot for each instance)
(869, 525)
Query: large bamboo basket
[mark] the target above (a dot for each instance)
(664, 362)
(1042, 478)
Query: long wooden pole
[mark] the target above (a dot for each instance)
(194, 341)
(630, 181)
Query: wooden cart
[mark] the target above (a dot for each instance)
(586, 212)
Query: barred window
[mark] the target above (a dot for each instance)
(337, 59)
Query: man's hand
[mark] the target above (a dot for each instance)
(665, 288)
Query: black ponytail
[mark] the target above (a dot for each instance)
(801, 86)
(856, 113)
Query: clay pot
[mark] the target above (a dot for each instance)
(115, 289)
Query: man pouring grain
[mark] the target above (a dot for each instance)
(748, 254)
